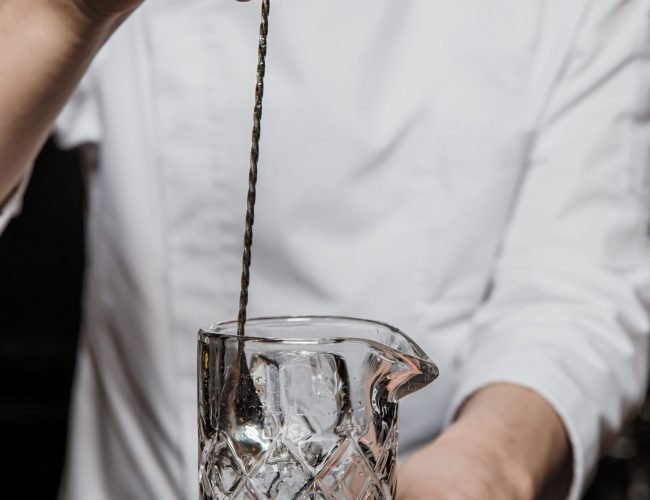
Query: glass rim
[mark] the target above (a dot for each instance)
(228, 330)
(221, 327)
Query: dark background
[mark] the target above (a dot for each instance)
(41, 266)
(41, 262)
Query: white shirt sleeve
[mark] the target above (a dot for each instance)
(79, 121)
(567, 316)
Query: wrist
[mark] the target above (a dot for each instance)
(496, 446)
(525, 436)
(468, 460)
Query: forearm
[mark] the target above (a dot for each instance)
(504, 445)
(523, 431)
(45, 48)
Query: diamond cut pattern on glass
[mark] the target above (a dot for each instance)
(222, 471)
(316, 450)
(387, 461)
(354, 472)
(247, 491)
(281, 475)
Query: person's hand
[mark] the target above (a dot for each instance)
(505, 445)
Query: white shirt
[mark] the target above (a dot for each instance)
(473, 172)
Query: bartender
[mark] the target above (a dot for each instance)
(473, 172)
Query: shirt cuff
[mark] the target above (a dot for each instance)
(14, 204)
(557, 388)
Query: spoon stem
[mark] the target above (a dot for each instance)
(252, 177)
